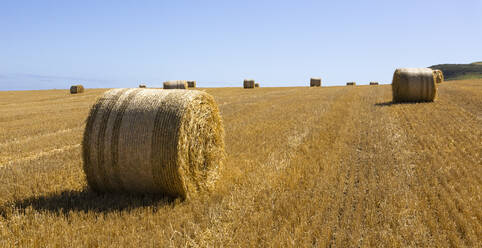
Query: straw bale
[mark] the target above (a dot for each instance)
(74, 89)
(439, 76)
(373, 83)
(191, 84)
(248, 83)
(256, 85)
(176, 84)
(315, 82)
(351, 83)
(168, 142)
(142, 86)
(414, 85)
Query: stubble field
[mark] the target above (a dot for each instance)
(331, 166)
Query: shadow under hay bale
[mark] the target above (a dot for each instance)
(74, 89)
(414, 85)
(315, 82)
(175, 84)
(86, 201)
(153, 141)
(351, 83)
(191, 84)
(248, 84)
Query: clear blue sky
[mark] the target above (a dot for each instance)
(53, 44)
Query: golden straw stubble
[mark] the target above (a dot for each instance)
(153, 141)
(414, 85)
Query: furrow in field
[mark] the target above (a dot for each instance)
(35, 137)
(433, 163)
(39, 155)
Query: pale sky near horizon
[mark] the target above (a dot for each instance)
(104, 44)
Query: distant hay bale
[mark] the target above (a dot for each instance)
(351, 83)
(315, 82)
(373, 83)
(191, 84)
(256, 85)
(142, 86)
(74, 89)
(439, 76)
(414, 85)
(176, 84)
(248, 83)
(169, 142)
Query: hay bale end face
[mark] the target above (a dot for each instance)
(439, 76)
(351, 83)
(191, 84)
(74, 89)
(248, 83)
(373, 83)
(168, 142)
(414, 85)
(315, 82)
(256, 85)
(176, 84)
(142, 86)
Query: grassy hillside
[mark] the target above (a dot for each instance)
(460, 71)
(334, 166)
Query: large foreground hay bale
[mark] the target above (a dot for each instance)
(256, 85)
(439, 76)
(315, 82)
(142, 86)
(176, 84)
(191, 84)
(414, 85)
(153, 141)
(351, 83)
(74, 89)
(373, 83)
(248, 83)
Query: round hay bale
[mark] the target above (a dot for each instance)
(191, 84)
(142, 86)
(248, 83)
(176, 84)
(351, 83)
(439, 76)
(256, 85)
(74, 89)
(414, 85)
(373, 83)
(315, 82)
(153, 141)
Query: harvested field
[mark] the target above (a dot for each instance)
(340, 166)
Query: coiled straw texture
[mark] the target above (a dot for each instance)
(248, 83)
(176, 84)
(153, 141)
(315, 82)
(439, 76)
(414, 85)
(74, 89)
(191, 84)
